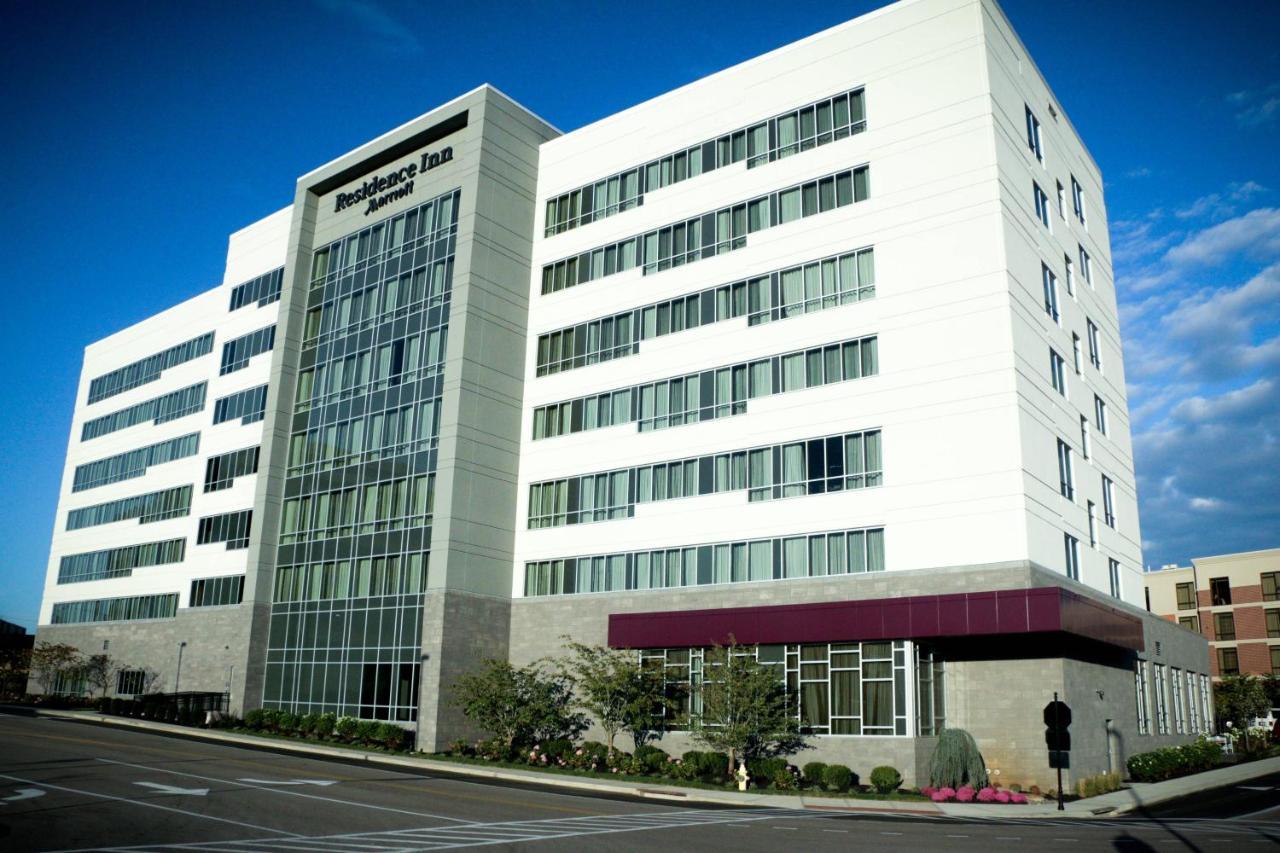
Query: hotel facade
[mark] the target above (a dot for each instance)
(819, 354)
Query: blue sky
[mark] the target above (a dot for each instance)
(137, 136)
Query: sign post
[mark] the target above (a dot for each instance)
(1057, 719)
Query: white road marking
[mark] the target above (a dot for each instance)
(321, 782)
(147, 805)
(1254, 787)
(174, 789)
(287, 793)
(23, 794)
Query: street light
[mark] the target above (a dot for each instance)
(177, 678)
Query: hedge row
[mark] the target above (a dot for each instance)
(158, 708)
(1173, 761)
(329, 727)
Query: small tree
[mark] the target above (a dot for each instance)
(150, 681)
(616, 689)
(100, 672)
(51, 660)
(517, 704)
(15, 668)
(1240, 698)
(956, 761)
(745, 709)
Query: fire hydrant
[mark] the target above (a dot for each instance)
(742, 776)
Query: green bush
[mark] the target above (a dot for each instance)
(836, 777)
(557, 748)
(762, 770)
(956, 761)
(288, 722)
(785, 778)
(253, 719)
(712, 766)
(368, 732)
(323, 727)
(307, 724)
(346, 728)
(813, 772)
(393, 737)
(886, 779)
(653, 760)
(1102, 783)
(1173, 761)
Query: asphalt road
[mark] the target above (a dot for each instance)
(71, 786)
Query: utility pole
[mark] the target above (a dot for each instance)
(177, 678)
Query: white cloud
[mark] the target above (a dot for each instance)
(1256, 233)
(1256, 107)
(376, 21)
(1219, 205)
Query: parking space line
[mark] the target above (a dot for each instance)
(147, 805)
(273, 790)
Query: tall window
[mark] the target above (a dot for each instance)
(1077, 357)
(1071, 275)
(1095, 347)
(1113, 574)
(1050, 293)
(1042, 205)
(1162, 707)
(1057, 372)
(1077, 201)
(1033, 135)
(1228, 662)
(1086, 445)
(1071, 546)
(1273, 624)
(1179, 722)
(1108, 501)
(1100, 414)
(1275, 660)
(1219, 592)
(1093, 525)
(1191, 623)
(1271, 586)
(1224, 626)
(1086, 266)
(1066, 478)
(1140, 692)
(1062, 201)
(1186, 596)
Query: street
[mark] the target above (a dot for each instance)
(72, 786)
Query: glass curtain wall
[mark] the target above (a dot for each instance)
(356, 526)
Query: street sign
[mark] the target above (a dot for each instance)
(1057, 718)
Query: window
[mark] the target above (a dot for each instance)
(1275, 660)
(1093, 525)
(1113, 573)
(1033, 135)
(220, 471)
(216, 592)
(134, 463)
(1057, 372)
(130, 682)
(230, 527)
(1224, 626)
(709, 234)
(1162, 707)
(1050, 293)
(1108, 502)
(1100, 414)
(1179, 709)
(1077, 359)
(1228, 661)
(1086, 445)
(1191, 623)
(1066, 478)
(154, 506)
(1186, 593)
(1086, 266)
(1140, 692)
(158, 410)
(1272, 618)
(163, 606)
(1042, 205)
(1077, 201)
(1071, 546)
(1071, 275)
(263, 290)
(148, 369)
(236, 353)
(1095, 347)
(249, 406)
(809, 555)
(1271, 586)
(119, 562)
(1219, 592)
(1062, 201)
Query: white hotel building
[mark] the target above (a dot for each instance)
(819, 353)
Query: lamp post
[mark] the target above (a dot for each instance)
(177, 678)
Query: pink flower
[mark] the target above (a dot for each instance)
(987, 795)
(613, 770)
(579, 752)
(964, 794)
(1017, 798)
(533, 753)
(928, 790)
(1002, 796)
(943, 795)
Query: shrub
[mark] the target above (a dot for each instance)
(943, 795)
(346, 728)
(813, 772)
(785, 778)
(764, 769)
(1017, 797)
(986, 795)
(956, 761)
(885, 779)
(1173, 761)
(324, 725)
(836, 777)
(307, 724)
(654, 759)
(367, 732)
(287, 722)
(253, 719)
(557, 748)
(1002, 796)
(927, 791)
(493, 749)
(392, 736)
(965, 794)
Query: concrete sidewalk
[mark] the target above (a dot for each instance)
(1136, 796)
